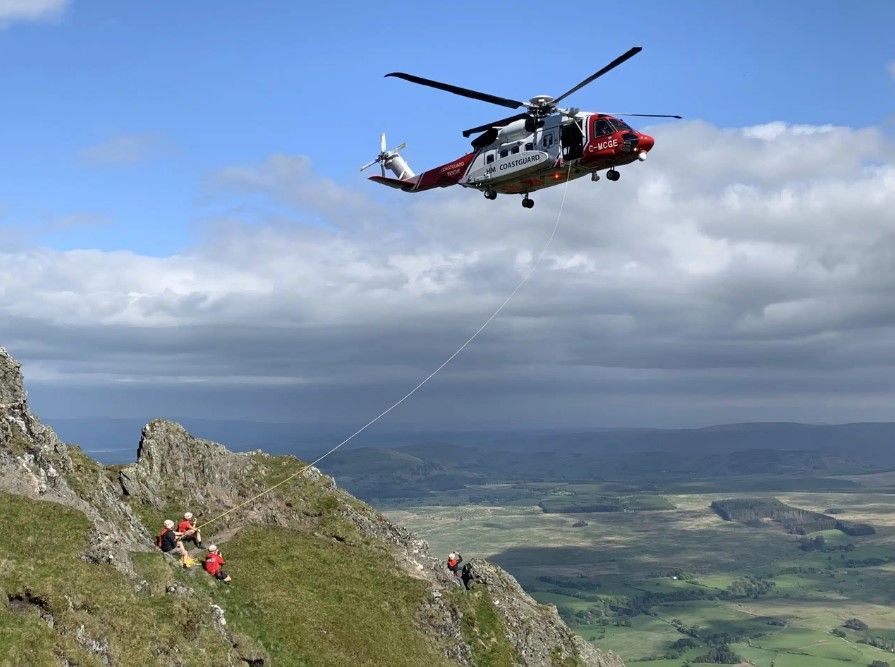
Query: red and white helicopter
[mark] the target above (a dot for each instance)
(529, 151)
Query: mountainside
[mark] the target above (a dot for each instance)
(319, 578)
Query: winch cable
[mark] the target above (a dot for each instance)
(426, 379)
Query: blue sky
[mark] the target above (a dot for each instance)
(183, 227)
(195, 87)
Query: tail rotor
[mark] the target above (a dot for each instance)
(389, 159)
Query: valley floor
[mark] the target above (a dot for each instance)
(662, 587)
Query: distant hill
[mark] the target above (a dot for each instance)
(774, 451)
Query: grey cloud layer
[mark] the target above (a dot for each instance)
(734, 268)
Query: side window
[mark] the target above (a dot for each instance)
(504, 153)
(603, 128)
(489, 158)
(514, 150)
(529, 147)
(547, 140)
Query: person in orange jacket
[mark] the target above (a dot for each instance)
(213, 562)
(189, 531)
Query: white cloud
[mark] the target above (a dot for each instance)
(733, 268)
(30, 10)
(290, 180)
(125, 149)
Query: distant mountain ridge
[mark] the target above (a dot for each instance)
(104, 435)
(773, 449)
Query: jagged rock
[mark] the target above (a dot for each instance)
(171, 462)
(35, 463)
(11, 390)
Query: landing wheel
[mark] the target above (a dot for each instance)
(613, 175)
(490, 194)
(528, 202)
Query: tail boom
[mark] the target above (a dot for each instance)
(444, 176)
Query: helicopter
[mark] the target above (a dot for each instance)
(541, 146)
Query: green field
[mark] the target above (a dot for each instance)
(638, 581)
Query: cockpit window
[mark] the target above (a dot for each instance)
(603, 127)
(621, 125)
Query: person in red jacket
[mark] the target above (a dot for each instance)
(189, 531)
(453, 563)
(213, 562)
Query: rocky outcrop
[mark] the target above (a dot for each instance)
(175, 470)
(36, 464)
(11, 390)
(535, 630)
(171, 463)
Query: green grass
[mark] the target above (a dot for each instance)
(39, 556)
(311, 600)
(484, 631)
(25, 639)
(647, 637)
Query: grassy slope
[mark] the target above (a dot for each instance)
(309, 600)
(39, 557)
(334, 594)
(302, 595)
(322, 595)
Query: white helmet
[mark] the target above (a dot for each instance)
(212, 547)
(169, 523)
(188, 516)
(452, 556)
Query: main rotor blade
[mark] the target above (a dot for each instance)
(647, 115)
(496, 123)
(457, 90)
(630, 53)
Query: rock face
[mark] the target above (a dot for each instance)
(176, 470)
(171, 462)
(36, 464)
(538, 633)
(11, 391)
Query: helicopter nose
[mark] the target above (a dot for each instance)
(645, 143)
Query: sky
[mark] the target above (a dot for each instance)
(184, 230)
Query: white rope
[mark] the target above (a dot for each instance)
(426, 379)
